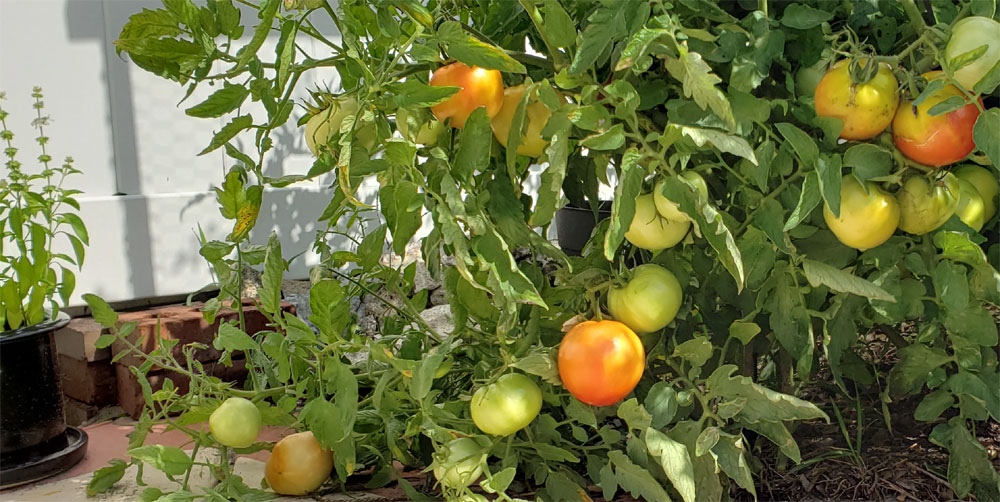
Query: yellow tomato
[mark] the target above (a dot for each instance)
(536, 116)
(866, 109)
(866, 219)
(986, 184)
(651, 231)
(298, 465)
(970, 208)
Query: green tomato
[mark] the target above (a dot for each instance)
(651, 231)
(325, 125)
(667, 208)
(925, 205)
(986, 184)
(235, 423)
(459, 463)
(428, 133)
(808, 77)
(970, 208)
(649, 301)
(971, 34)
(507, 405)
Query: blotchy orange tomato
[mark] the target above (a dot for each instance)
(536, 116)
(866, 109)
(480, 87)
(939, 140)
(600, 362)
(298, 465)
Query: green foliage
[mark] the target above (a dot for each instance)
(644, 92)
(36, 211)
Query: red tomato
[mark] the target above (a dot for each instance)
(480, 87)
(939, 140)
(600, 362)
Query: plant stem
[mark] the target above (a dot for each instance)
(536, 19)
(762, 6)
(913, 14)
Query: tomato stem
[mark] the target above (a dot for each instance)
(536, 19)
(914, 15)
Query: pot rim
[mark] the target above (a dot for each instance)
(62, 319)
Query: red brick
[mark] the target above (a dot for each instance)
(78, 338)
(130, 392)
(185, 324)
(88, 382)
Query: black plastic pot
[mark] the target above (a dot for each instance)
(574, 225)
(34, 439)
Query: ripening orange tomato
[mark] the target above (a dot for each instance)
(939, 140)
(480, 87)
(600, 362)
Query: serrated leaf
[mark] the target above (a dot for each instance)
(474, 151)
(274, 269)
(763, 404)
(266, 14)
(228, 132)
(550, 186)
(474, 52)
(559, 27)
(985, 134)
(634, 479)
(804, 17)
(605, 25)
(868, 161)
(661, 401)
(623, 208)
(169, 459)
(106, 477)
(675, 461)
(723, 141)
(808, 200)
(220, 102)
(842, 282)
(416, 94)
(100, 310)
(634, 415)
(638, 46)
(916, 361)
(699, 82)
(804, 146)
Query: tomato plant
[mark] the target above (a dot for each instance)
(600, 362)
(926, 204)
(628, 103)
(478, 87)
(868, 214)
(973, 49)
(236, 422)
(298, 465)
(507, 405)
(648, 301)
(866, 108)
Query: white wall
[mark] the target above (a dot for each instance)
(145, 189)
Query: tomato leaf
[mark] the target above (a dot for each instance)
(474, 151)
(634, 479)
(777, 433)
(274, 269)
(610, 139)
(474, 52)
(106, 477)
(985, 134)
(605, 25)
(868, 161)
(699, 83)
(675, 461)
(401, 206)
(560, 28)
(804, 17)
(416, 94)
(231, 338)
(100, 310)
(266, 15)
(550, 186)
(635, 55)
(169, 459)
(623, 209)
(804, 146)
(725, 142)
(228, 132)
(819, 273)
(916, 361)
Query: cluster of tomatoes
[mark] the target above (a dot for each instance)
(298, 463)
(869, 215)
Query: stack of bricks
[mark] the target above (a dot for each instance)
(183, 323)
(88, 379)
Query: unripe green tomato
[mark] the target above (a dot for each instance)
(507, 405)
(235, 423)
(970, 208)
(685, 398)
(967, 35)
(461, 465)
(651, 231)
(428, 133)
(667, 208)
(323, 126)
(649, 301)
(986, 184)
(925, 205)
(808, 77)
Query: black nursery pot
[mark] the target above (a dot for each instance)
(34, 439)
(574, 225)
